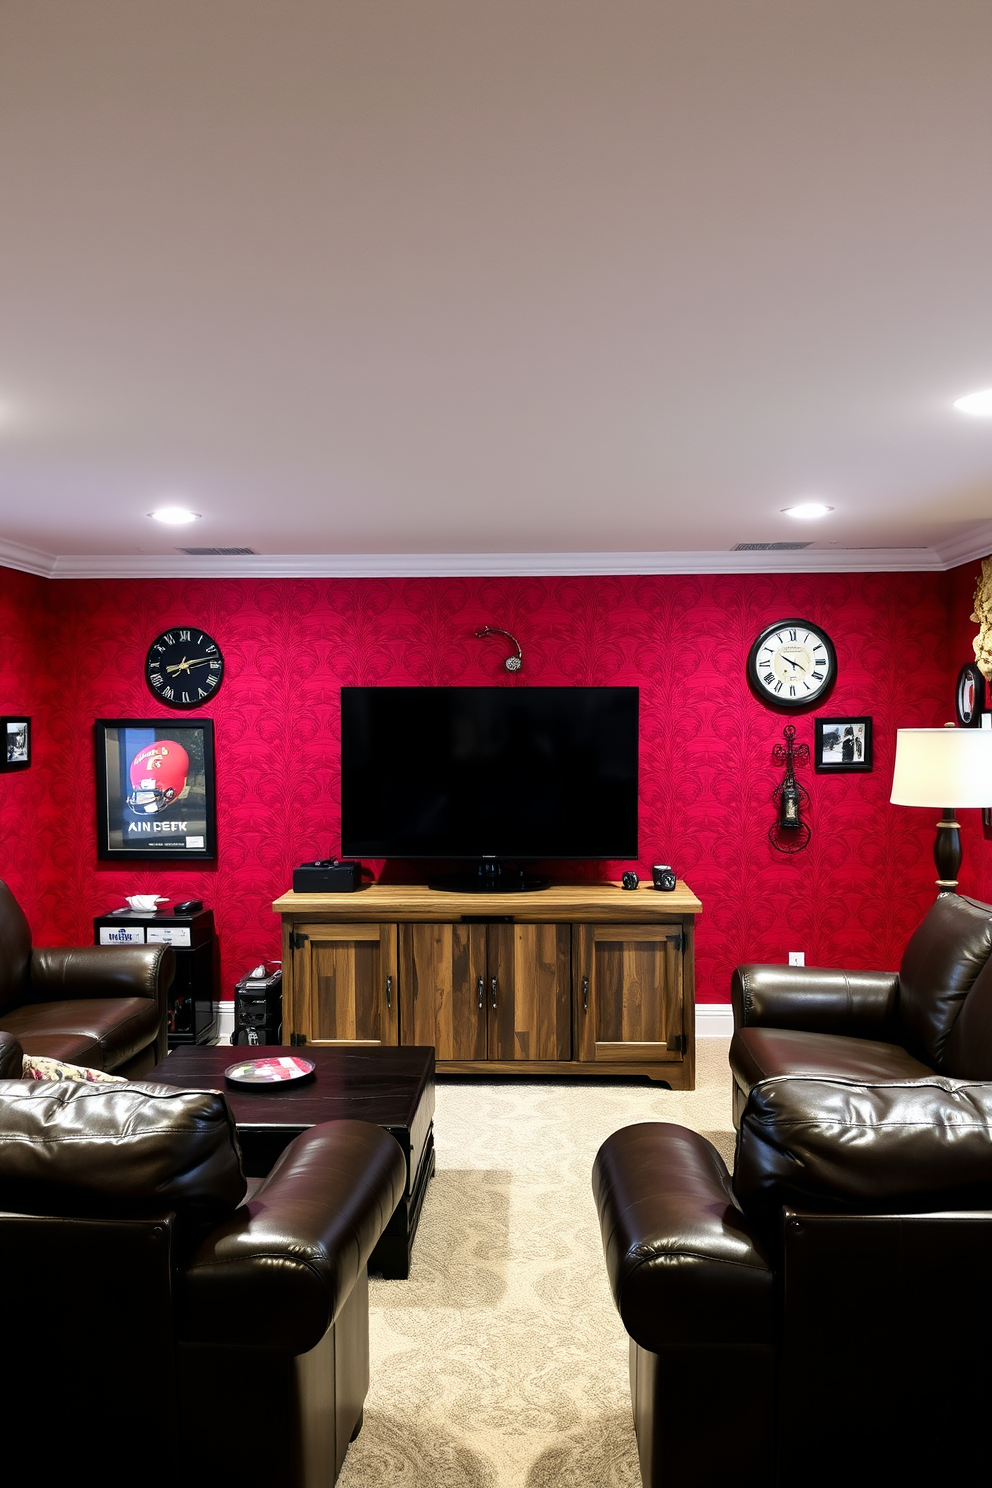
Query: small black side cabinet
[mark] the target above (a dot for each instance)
(191, 998)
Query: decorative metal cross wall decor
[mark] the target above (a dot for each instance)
(790, 834)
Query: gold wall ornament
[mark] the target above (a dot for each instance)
(982, 613)
(512, 663)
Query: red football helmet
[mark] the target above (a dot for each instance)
(158, 775)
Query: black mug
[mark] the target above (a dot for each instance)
(663, 877)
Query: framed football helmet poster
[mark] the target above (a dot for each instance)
(155, 788)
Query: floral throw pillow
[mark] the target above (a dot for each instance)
(35, 1068)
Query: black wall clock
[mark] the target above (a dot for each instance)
(792, 663)
(184, 667)
(969, 696)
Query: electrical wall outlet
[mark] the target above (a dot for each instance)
(797, 958)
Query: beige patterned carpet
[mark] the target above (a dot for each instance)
(501, 1362)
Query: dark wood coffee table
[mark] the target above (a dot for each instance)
(392, 1087)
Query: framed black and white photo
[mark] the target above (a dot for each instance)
(842, 745)
(155, 788)
(15, 749)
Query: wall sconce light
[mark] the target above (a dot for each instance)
(790, 834)
(512, 663)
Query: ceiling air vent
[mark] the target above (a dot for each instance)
(781, 547)
(216, 552)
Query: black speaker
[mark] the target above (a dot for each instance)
(327, 876)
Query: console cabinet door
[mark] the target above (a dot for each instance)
(629, 994)
(345, 977)
(444, 988)
(529, 992)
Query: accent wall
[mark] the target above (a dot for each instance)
(72, 651)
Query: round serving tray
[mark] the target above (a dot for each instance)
(273, 1071)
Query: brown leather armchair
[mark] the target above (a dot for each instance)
(160, 1322)
(932, 1015)
(101, 1006)
(823, 1317)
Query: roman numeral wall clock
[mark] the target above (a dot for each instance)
(792, 664)
(184, 667)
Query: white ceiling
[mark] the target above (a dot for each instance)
(574, 282)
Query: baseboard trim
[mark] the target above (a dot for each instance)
(714, 1020)
(225, 1020)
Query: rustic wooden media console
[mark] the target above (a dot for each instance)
(577, 979)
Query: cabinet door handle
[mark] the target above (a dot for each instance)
(481, 989)
(389, 993)
(494, 987)
(585, 994)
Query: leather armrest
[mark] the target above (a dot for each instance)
(856, 1004)
(683, 1266)
(11, 1057)
(59, 973)
(277, 1273)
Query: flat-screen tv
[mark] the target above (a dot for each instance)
(483, 773)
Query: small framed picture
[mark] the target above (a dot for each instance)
(842, 745)
(16, 746)
(155, 788)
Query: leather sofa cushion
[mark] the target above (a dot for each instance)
(66, 1147)
(764, 1053)
(939, 967)
(117, 1028)
(875, 1147)
(74, 1048)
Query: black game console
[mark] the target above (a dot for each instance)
(327, 876)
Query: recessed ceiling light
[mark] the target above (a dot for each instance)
(807, 509)
(978, 404)
(174, 515)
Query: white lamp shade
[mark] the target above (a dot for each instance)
(943, 767)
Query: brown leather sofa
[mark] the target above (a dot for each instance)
(933, 1015)
(824, 1316)
(100, 1006)
(161, 1324)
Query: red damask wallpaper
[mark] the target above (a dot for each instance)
(72, 651)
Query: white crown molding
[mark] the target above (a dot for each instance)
(966, 547)
(475, 565)
(977, 543)
(27, 560)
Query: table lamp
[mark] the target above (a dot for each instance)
(936, 765)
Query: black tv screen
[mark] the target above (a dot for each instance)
(489, 772)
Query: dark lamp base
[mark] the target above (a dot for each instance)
(947, 850)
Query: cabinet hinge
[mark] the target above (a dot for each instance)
(297, 1040)
(298, 940)
(677, 1043)
(680, 942)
